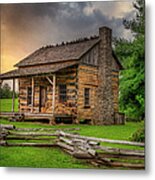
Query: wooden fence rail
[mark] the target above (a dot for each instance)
(90, 149)
(101, 139)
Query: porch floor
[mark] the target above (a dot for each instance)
(40, 117)
(28, 115)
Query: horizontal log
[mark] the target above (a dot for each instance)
(68, 151)
(76, 140)
(103, 158)
(65, 146)
(66, 140)
(102, 139)
(82, 147)
(3, 131)
(33, 134)
(67, 129)
(94, 163)
(3, 136)
(27, 138)
(68, 76)
(32, 144)
(82, 155)
(93, 143)
(47, 129)
(124, 164)
(3, 143)
(7, 126)
(29, 114)
(120, 156)
(120, 151)
(33, 129)
(99, 162)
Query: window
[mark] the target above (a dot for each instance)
(29, 95)
(87, 97)
(62, 93)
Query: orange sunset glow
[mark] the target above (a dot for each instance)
(27, 27)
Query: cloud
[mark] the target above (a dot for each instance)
(26, 27)
(111, 9)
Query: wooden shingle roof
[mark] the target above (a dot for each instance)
(37, 70)
(60, 53)
(51, 59)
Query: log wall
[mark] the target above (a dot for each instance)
(67, 76)
(87, 78)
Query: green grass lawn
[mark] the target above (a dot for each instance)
(38, 158)
(55, 158)
(6, 105)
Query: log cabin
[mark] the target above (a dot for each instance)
(73, 82)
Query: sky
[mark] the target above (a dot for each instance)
(27, 27)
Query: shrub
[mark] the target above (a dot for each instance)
(139, 135)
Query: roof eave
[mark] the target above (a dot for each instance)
(45, 63)
(17, 73)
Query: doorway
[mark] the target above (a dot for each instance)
(42, 98)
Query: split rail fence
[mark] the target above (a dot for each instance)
(90, 149)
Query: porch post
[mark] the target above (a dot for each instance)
(13, 96)
(54, 87)
(32, 97)
(1, 81)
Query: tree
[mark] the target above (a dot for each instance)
(137, 25)
(5, 91)
(132, 56)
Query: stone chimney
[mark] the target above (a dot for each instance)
(104, 113)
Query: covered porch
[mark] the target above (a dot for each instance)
(33, 97)
(31, 111)
(29, 117)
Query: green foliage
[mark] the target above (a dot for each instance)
(5, 92)
(132, 56)
(137, 25)
(138, 135)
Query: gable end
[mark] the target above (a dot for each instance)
(117, 61)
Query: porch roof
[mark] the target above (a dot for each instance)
(38, 70)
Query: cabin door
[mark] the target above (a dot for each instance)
(42, 99)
